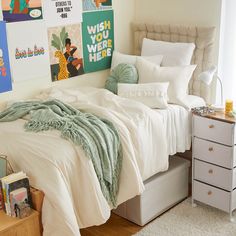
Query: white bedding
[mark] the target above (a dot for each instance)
(73, 198)
(177, 125)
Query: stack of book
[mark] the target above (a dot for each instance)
(15, 193)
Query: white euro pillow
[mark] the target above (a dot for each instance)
(178, 78)
(174, 54)
(118, 58)
(153, 95)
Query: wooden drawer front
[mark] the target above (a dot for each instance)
(214, 153)
(217, 131)
(214, 175)
(212, 196)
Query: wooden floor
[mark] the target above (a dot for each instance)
(116, 226)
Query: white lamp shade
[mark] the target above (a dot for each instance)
(207, 76)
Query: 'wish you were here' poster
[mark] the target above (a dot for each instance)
(5, 75)
(98, 40)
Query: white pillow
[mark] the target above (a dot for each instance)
(153, 95)
(175, 54)
(178, 77)
(118, 58)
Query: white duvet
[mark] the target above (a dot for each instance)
(73, 198)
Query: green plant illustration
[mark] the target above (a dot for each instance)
(58, 42)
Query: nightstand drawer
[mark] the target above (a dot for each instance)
(212, 196)
(214, 175)
(214, 130)
(214, 153)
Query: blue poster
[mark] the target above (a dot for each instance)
(5, 74)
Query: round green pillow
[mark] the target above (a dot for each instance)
(122, 73)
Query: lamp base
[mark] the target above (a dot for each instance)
(218, 108)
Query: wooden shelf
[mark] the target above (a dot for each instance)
(27, 226)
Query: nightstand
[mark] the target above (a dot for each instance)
(28, 226)
(214, 161)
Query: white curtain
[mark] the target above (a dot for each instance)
(227, 55)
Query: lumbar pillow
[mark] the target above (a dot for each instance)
(174, 54)
(178, 78)
(118, 58)
(153, 95)
(122, 73)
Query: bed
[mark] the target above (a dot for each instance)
(73, 198)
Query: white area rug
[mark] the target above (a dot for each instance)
(184, 220)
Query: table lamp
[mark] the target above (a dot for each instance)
(206, 77)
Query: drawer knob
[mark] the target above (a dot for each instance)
(211, 149)
(209, 193)
(211, 126)
(210, 171)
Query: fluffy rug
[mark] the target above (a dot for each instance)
(184, 220)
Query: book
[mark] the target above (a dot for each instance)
(1, 200)
(4, 186)
(10, 183)
(17, 197)
(14, 185)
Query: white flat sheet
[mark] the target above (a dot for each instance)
(177, 125)
(73, 198)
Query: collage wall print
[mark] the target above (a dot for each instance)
(60, 38)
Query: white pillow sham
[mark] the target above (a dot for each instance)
(118, 58)
(175, 54)
(153, 95)
(192, 101)
(178, 78)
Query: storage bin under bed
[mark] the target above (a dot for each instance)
(162, 191)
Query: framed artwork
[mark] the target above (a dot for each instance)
(5, 74)
(65, 50)
(93, 5)
(21, 10)
(3, 166)
(98, 40)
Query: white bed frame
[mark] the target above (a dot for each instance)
(164, 190)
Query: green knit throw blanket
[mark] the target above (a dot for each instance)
(98, 137)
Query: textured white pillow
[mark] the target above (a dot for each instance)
(175, 54)
(191, 101)
(178, 77)
(153, 95)
(118, 58)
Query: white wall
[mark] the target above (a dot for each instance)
(124, 14)
(182, 12)
(185, 12)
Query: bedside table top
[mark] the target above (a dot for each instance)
(8, 221)
(221, 116)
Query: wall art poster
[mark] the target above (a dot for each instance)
(28, 51)
(98, 40)
(60, 12)
(65, 50)
(21, 10)
(5, 75)
(93, 5)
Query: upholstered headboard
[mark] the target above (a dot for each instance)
(203, 37)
